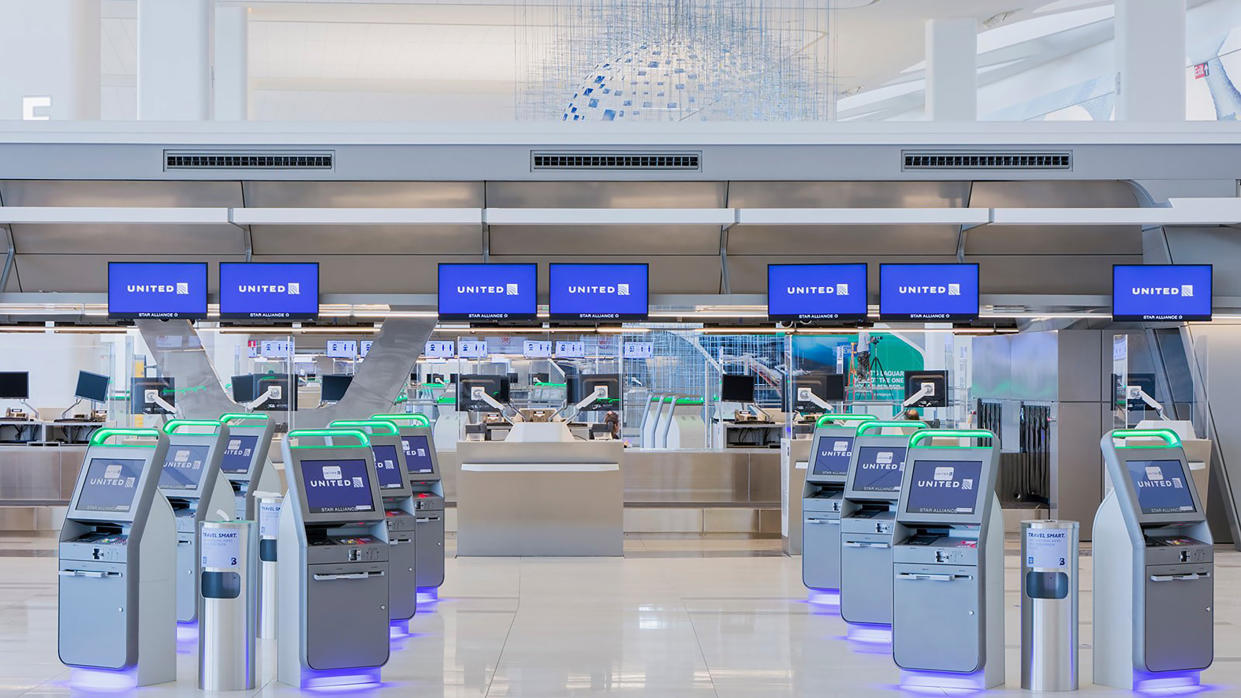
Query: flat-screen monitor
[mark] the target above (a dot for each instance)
(488, 292)
(736, 388)
(334, 387)
(284, 391)
(269, 290)
(944, 487)
(14, 385)
(110, 485)
(183, 467)
(816, 293)
(587, 385)
(917, 381)
(91, 386)
(597, 292)
(336, 486)
(243, 388)
(879, 469)
(928, 292)
(1161, 486)
(1154, 292)
(495, 386)
(829, 387)
(163, 290)
(831, 455)
(388, 467)
(140, 392)
(239, 453)
(418, 456)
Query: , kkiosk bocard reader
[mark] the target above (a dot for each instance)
(868, 518)
(1154, 583)
(332, 563)
(194, 486)
(822, 497)
(428, 496)
(398, 501)
(245, 462)
(118, 559)
(948, 564)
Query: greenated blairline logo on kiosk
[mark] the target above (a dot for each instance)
(944, 476)
(333, 477)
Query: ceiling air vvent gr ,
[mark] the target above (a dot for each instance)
(996, 160)
(665, 161)
(248, 160)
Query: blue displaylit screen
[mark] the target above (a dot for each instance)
(879, 469)
(928, 292)
(238, 453)
(336, 486)
(183, 467)
(808, 292)
(1161, 486)
(417, 455)
(597, 291)
(944, 487)
(832, 456)
(110, 485)
(488, 291)
(387, 465)
(1161, 292)
(250, 290)
(157, 290)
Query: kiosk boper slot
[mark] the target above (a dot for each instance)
(1154, 584)
(948, 565)
(428, 490)
(118, 559)
(245, 462)
(194, 486)
(398, 504)
(332, 563)
(868, 518)
(822, 496)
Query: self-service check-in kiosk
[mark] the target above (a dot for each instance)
(1154, 583)
(948, 564)
(822, 496)
(332, 562)
(194, 486)
(118, 561)
(245, 462)
(398, 501)
(867, 520)
(687, 428)
(428, 492)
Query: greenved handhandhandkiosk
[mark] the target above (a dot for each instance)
(116, 611)
(822, 496)
(418, 440)
(194, 486)
(332, 563)
(245, 462)
(398, 503)
(948, 564)
(1154, 568)
(867, 521)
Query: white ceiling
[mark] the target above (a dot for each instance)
(408, 48)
